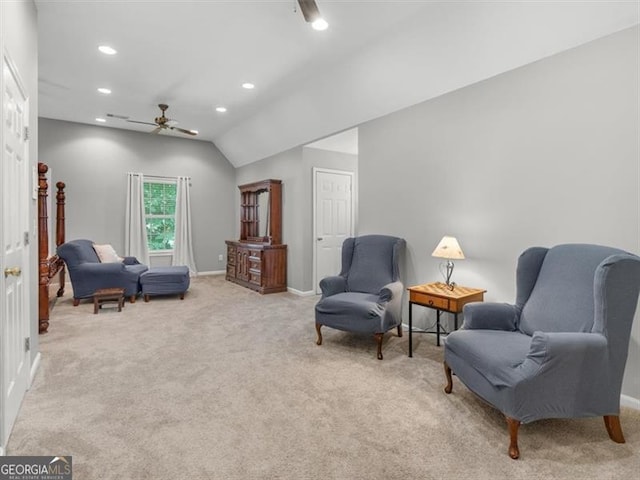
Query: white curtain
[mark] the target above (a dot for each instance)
(135, 229)
(183, 246)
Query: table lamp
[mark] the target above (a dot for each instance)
(448, 248)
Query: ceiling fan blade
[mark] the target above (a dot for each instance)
(157, 130)
(143, 123)
(309, 9)
(188, 132)
(121, 117)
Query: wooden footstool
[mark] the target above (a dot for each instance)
(108, 295)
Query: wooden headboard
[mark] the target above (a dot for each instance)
(48, 266)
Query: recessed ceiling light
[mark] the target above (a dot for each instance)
(106, 91)
(320, 24)
(221, 109)
(107, 50)
(101, 120)
(248, 85)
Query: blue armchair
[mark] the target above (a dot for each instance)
(560, 351)
(367, 295)
(87, 274)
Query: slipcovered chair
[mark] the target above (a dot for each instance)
(560, 351)
(88, 274)
(367, 295)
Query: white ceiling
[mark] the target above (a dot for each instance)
(376, 57)
(344, 142)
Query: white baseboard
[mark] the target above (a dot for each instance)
(34, 368)
(629, 402)
(213, 272)
(300, 293)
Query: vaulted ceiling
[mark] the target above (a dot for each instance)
(376, 57)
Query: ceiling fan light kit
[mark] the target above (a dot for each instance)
(311, 14)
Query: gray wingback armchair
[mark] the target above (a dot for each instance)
(87, 274)
(560, 351)
(367, 295)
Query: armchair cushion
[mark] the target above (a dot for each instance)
(106, 253)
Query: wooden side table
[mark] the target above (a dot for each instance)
(442, 299)
(104, 295)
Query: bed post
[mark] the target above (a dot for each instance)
(60, 232)
(43, 251)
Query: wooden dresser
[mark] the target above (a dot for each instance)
(258, 260)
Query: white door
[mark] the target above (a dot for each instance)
(333, 220)
(14, 255)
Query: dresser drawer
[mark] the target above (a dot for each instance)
(231, 255)
(255, 254)
(430, 300)
(231, 271)
(255, 277)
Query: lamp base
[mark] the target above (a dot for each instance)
(447, 271)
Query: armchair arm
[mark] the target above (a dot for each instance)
(572, 353)
(391, 291)
(332, 285)
(570, 360)
(130, 261)
(101, 268)
(490, 316)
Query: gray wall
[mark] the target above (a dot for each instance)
(93, 162)
(541, 155)
(294, 167)
(19, 37)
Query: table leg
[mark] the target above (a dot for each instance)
(410, 329)
(438, 328)
(455, 321)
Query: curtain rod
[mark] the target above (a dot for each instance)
(158, 176)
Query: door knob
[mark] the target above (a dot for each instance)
(15, 271)
(319, 238)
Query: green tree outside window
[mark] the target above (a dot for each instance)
(160, 213)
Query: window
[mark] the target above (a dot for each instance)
(160, 214)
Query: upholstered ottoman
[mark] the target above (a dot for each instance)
(165, 281)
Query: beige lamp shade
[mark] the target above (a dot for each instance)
(448, 248)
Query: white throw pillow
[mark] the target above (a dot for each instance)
(107, 254)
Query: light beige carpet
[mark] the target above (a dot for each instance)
(229, 384)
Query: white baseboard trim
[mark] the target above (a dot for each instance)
(34, 368)
(300, 293)
(629, 402)
(213, 272)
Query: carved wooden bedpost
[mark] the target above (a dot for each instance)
(43, 251)
(60, 232)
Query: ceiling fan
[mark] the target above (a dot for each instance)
(161, 122)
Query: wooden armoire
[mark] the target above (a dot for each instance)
(258, 260)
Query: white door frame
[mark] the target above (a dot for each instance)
(317, 170)
(6, 59)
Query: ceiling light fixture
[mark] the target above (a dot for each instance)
(106, 91)
(248, 86)
(107, 50)
(101, 120)
(312, 15)
(221, 109)
(320, 24)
